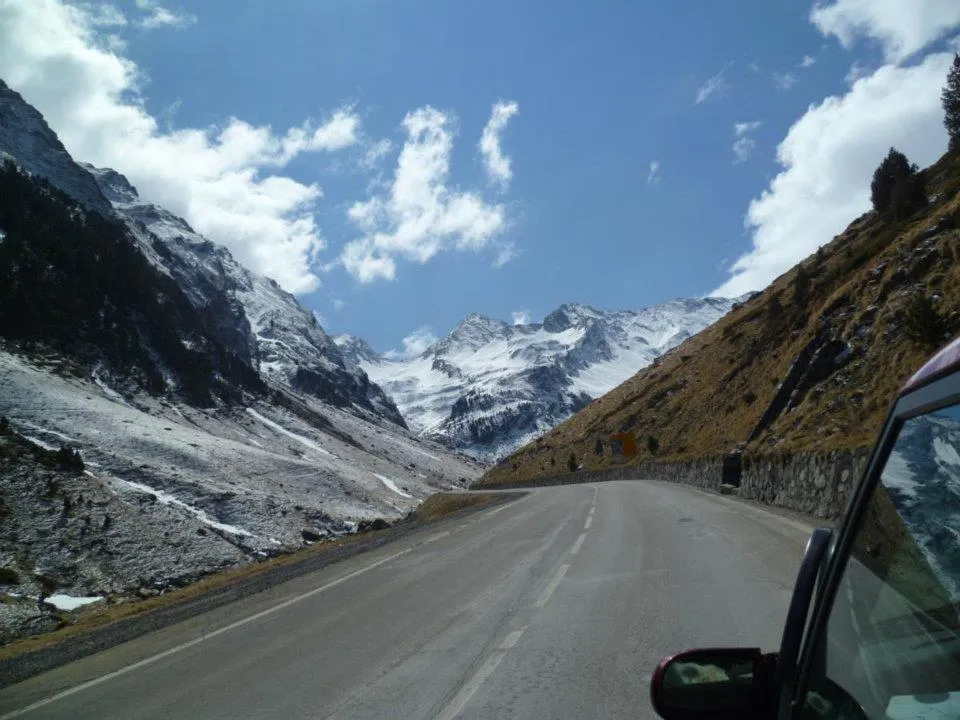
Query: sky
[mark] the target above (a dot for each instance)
(398, 165)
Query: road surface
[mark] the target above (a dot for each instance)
(557, 605)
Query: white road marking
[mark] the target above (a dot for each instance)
(588, 523)
(548, 591)
(196, 641)
(428, 540)
(510, 640)
(576, 546)
(592, 510)
(470, 688)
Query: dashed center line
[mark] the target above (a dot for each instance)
(470, 688)
(576, 546)
(548, 591)
(588, 523)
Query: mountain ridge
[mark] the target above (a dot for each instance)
(489, 385)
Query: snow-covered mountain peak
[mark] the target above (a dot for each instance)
(356, 350)
(26, 137)
(114, 185)
(488, 386)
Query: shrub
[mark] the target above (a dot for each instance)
(9, 576)
(653, 445)
(572, 464)
(897, 188)
(598, 447)
(923, 324)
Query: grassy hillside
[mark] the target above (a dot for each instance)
(810, 363)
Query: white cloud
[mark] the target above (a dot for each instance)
(902, 27)
(218, 178)
(497, 165)
(808, 61)
(338, 304)
(743, 144)
(375, 152)
(828, 158)
(414, 344)
(715, 86)
(785, 81)
(159, 16)
(520, 317)
(321, 320)
(954, 44)
(419, 215)
(104, 15)
(506, 253)
(742, 148)
(653, 177)
(857, 71)
(740, 129)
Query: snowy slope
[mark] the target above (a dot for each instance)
(181, 487)
(489, 387)
(253, 314)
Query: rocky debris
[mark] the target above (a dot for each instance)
(365, 526)
(21, 617)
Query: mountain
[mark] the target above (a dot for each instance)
(809, 364)
(216, 422)
(489, 387)
(251, 313)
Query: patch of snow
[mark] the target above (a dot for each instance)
(391, 485)
(898, 475)
(41, 443)
(293, 436)
(49, 432)
(108, 391)
(946, 453)
(201, 515)
(68, 602)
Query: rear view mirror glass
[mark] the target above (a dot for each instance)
(712, 684)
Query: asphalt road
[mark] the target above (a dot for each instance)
(558, 605)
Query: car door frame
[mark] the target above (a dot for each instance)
(941, 391)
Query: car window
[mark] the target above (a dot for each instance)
(892, 647)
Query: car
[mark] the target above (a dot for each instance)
(873, 627)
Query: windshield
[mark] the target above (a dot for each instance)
(893, 644)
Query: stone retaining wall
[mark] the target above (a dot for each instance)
(816, 483)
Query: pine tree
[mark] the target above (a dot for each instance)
(951, 103)
(572, 463)
(897, 186)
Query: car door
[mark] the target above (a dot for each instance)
(884, 638)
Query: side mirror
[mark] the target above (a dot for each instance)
(714, 684)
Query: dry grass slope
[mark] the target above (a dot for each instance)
(840, 320)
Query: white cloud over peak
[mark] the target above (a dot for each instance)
(902, 27)
(716, 86)
(828, 158)
(218, 178)
(418, 215)
(159, 16)
(497, 165)
(653, 177)
(743, 144)
(414, 344)
(520, 317)
(785, 81)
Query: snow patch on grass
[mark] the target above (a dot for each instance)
(69, 602)
(293, 436)
(391, 485)
(201, 515)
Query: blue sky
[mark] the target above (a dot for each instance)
(602, 90)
